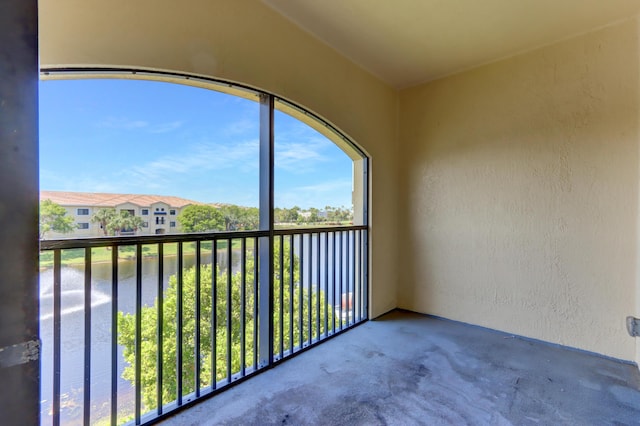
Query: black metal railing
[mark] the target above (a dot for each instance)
(136, 327)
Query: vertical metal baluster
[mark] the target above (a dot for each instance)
(362, 266)
(300, 287)
(243, 302)
(309, 298)
(340, 272)
(342, 279)
(214, 314)
(229, 306)
(353, 278)
(57, 354)
(336, 274)
(348, 295)
(87, 336)
(365, 273)
(265, 298)
(291, 292)
(318, 286)
(335, 280)
(326, 284)
(255, 303)
(114, 335)
(345, 256)
(356, 284)
(138, 344)
(159, 359)
(179, 326)
(281, 272)
(197, 320)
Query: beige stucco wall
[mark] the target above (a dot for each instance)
(520, 191)
(517, 201)
(247, 42)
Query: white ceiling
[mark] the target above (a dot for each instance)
(407, 42)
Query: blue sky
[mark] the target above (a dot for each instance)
(143, 137)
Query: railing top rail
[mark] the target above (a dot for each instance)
(315, 230)
(74, 243)
(146, 239)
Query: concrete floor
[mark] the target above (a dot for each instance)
(406, 368)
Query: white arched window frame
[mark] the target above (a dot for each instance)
(265, 238)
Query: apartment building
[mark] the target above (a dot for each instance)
(158, 212)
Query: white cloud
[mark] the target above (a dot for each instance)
(242, 156)
(166, 127)
(56, 182)
(241, 127)
(331, 193)
(122, 123)
(299, 157)
(336, 185)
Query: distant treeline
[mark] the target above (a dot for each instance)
(230, 217)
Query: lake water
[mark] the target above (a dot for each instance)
(72, 332)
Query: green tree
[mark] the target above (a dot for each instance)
(201, 219)
(285, 215)
(112, 222)
(251, 218)
(314, 215)
(238, 218)
(213, 360)
(338, 214)
(125, 221)
(105, 218)
(232, 217)
(53, 217)
(278, 215)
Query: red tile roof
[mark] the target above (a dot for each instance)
(111, 200)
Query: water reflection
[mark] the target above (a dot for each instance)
(72, 331)
(324, 266)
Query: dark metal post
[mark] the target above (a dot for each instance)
(160, 332)
(243, 306)
(265, 248)
(138, 341)
(19, 342)
(114, 335)
(87, 336)
(198, 302)
(57, 331)
(365, 203)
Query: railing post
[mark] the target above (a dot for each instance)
(365, 219)
(265, 244)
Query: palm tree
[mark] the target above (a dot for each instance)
(104, 217)
(125, 221)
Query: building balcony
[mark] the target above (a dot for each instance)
(136, 328)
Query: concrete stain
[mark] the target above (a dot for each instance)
(452, 375)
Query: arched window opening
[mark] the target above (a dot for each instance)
(318, 174)
(192, 234)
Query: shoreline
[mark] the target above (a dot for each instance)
(80, 262)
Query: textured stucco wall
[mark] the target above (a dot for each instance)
(247, 42)
(517, 201)
(520, 187)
